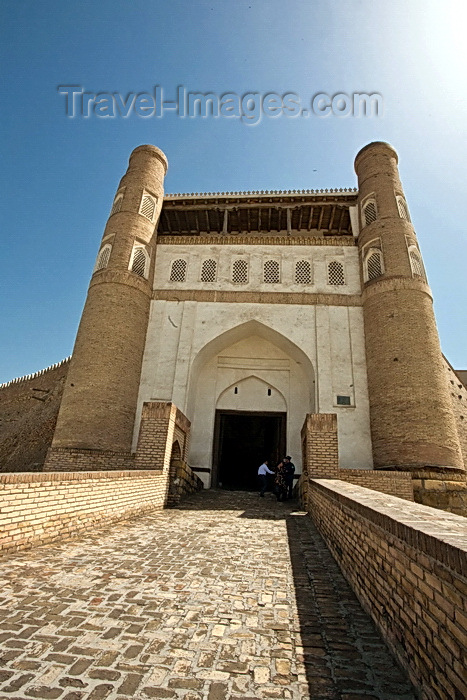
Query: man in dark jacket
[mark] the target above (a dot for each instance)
(289, 469)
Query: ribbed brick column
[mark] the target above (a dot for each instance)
(99, 401)
(412, 422)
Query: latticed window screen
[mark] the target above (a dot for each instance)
(271, 272)
(416, 264)
(369, 212)
(209, 271)
(402, 207)
(138, 264)
(374, 265)
(178, 271)
(148, 206)
(240, 272)
(336, 273)
(302, 272)
(117, 205)
(103, 258)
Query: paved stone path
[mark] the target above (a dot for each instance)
(204, 602)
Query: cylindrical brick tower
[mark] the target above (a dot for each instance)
(99, 401)
(412, 422)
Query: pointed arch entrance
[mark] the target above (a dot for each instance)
(250, 389)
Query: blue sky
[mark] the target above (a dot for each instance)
(59, 174)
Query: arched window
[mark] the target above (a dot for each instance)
(335, 273)
(416, 263)
(240, 271)
(302, 272)
(373, 266)
(402, 208)
(148, 206)
(103, 257)
(117, 203)
(369, 211)
(139, 263)
(209, 271)
(178, 271)
(271, 272)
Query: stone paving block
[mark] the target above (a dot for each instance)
(227, 596)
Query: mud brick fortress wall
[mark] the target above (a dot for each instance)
(408, 567)
(28, 414)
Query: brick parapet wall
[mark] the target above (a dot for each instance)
(407, 564)
(398, 484)
(41, 507)
(37, 508)
(393, 483)
(63, 459)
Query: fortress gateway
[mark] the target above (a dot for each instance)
(249, 311)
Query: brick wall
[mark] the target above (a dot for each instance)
(90, 486)
(407, 564)
(63, 459)
(320, 445)
(321, 460)
(161, 425)
(37, 508)
(28, 413)
(393, 483)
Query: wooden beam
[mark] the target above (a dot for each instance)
(300, 214)
(165, 220)
(177, 219)
(340, 220)
(320, 220)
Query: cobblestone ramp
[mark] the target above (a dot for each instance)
(228, 596)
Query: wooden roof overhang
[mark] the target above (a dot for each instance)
(305, 213)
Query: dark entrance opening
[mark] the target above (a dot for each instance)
(242, 440)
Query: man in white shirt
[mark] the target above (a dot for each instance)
(263, 472)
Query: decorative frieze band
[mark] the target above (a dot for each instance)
(258, 240)
(297, 298)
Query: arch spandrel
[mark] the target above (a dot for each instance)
(224, 340)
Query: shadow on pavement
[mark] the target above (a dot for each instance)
(343, 654)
